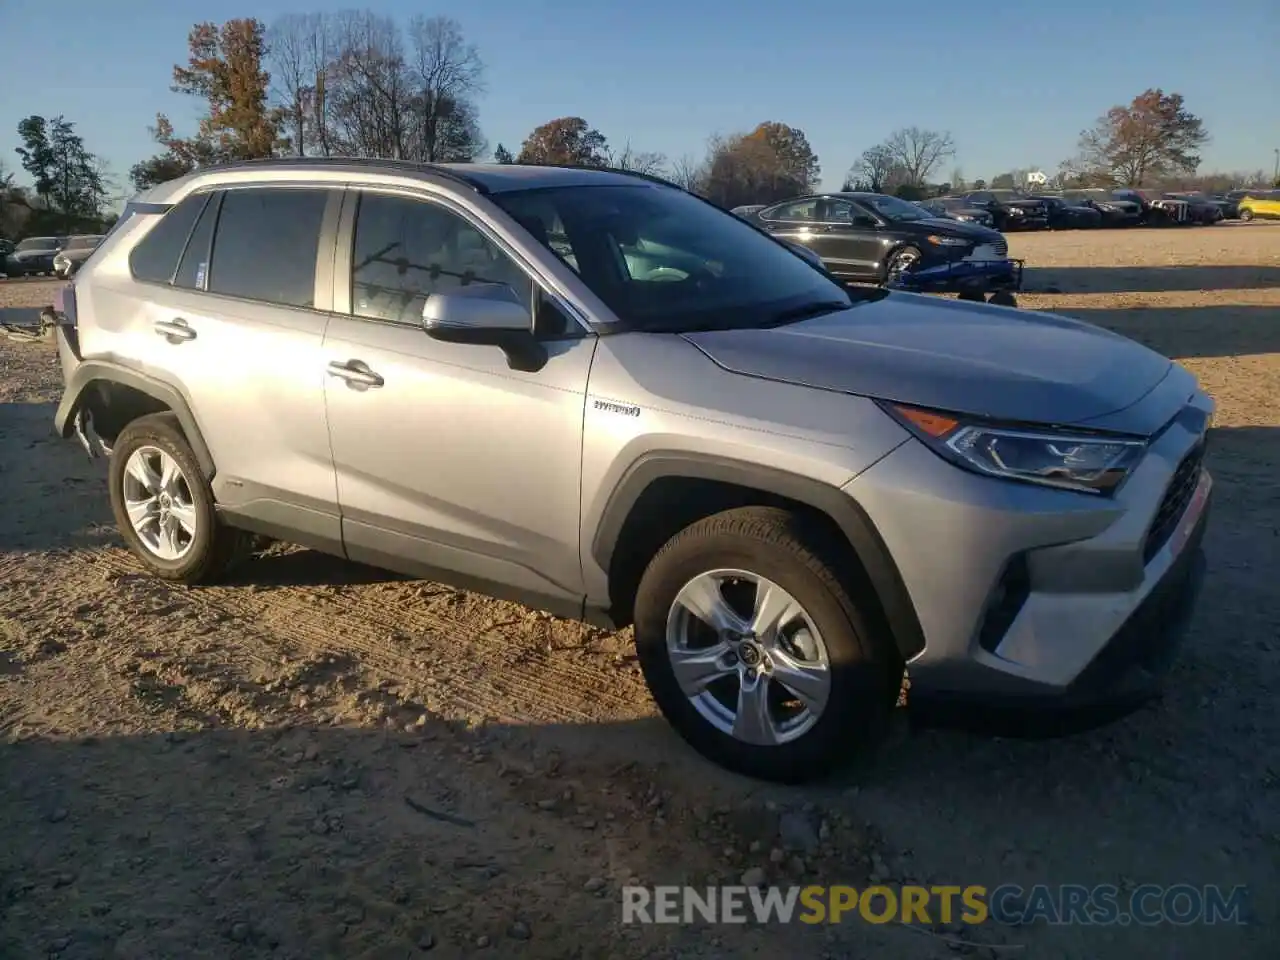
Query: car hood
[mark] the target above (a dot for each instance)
(997, 362)
(947, 227)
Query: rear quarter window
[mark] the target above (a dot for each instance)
(155, 258)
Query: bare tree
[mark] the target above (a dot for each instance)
(447, 73)
(288, 54)
(636, 161)
(368, 90)
(320, 55)
(918, 152)
(873, 170)
(689, 173)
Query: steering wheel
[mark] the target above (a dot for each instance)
(667, 275)
(694, 274)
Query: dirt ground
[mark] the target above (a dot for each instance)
(320, 760)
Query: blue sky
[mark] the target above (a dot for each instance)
(1014, 83)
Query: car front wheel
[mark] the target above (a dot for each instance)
(900, 261)
(1246, 215)
(755, 641)
(164, 506)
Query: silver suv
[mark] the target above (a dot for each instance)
(600, 395)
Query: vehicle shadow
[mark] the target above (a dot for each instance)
(1149, 279)
(288, 566)
(51, 494)
(1188, 332)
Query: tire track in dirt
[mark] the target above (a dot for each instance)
(500, 678)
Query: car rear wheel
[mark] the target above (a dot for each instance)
(1246, 214)
(758, 651)
(164, 507)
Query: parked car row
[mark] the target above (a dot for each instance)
(47, 256)
(1008, 210)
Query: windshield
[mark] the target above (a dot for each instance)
(38, 243)
(662, 259)
(891, 208)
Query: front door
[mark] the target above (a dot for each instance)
(449, 463)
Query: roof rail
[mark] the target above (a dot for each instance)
(651, 177)
(386, 163)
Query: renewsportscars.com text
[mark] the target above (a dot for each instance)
(1067, 904)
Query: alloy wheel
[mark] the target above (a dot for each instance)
(748, 657)
(158, 500)
(900, 263)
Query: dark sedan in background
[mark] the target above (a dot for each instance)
(1203, 209)
(1067, 215)
(1009, 209)
(955, 208)
(75, 252)
(33, 256)
(1115, 211)
(874, 238)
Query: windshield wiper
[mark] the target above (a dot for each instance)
(807, 311)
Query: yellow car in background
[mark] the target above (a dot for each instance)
(1265, 205)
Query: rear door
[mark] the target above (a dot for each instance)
(851, 243)
(804, 222)
(240, 331)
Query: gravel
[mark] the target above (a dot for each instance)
(223, 772)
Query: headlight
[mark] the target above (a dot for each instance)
(949, 241)
(1017, 212)
(1088, 463)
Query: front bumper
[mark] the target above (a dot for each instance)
(1088, 623)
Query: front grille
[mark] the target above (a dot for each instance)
(1176, 497)
(1002, 248)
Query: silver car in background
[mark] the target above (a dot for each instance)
(75, 252)
(598, 394)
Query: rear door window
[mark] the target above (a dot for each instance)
(155, 258)
(266, 243)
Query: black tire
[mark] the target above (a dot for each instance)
(215, 548)
(1003, 298)
(908, 253)
(1246, 215)
(802, 558)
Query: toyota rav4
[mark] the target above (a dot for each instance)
(596, 393)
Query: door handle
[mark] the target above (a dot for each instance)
(175, 330)
(355, 372)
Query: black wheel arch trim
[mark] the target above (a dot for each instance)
(89, 372)
(844, 511)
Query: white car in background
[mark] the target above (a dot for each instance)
(75, 252)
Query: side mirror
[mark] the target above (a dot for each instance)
(486, 314)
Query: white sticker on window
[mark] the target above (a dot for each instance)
(201, 269)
